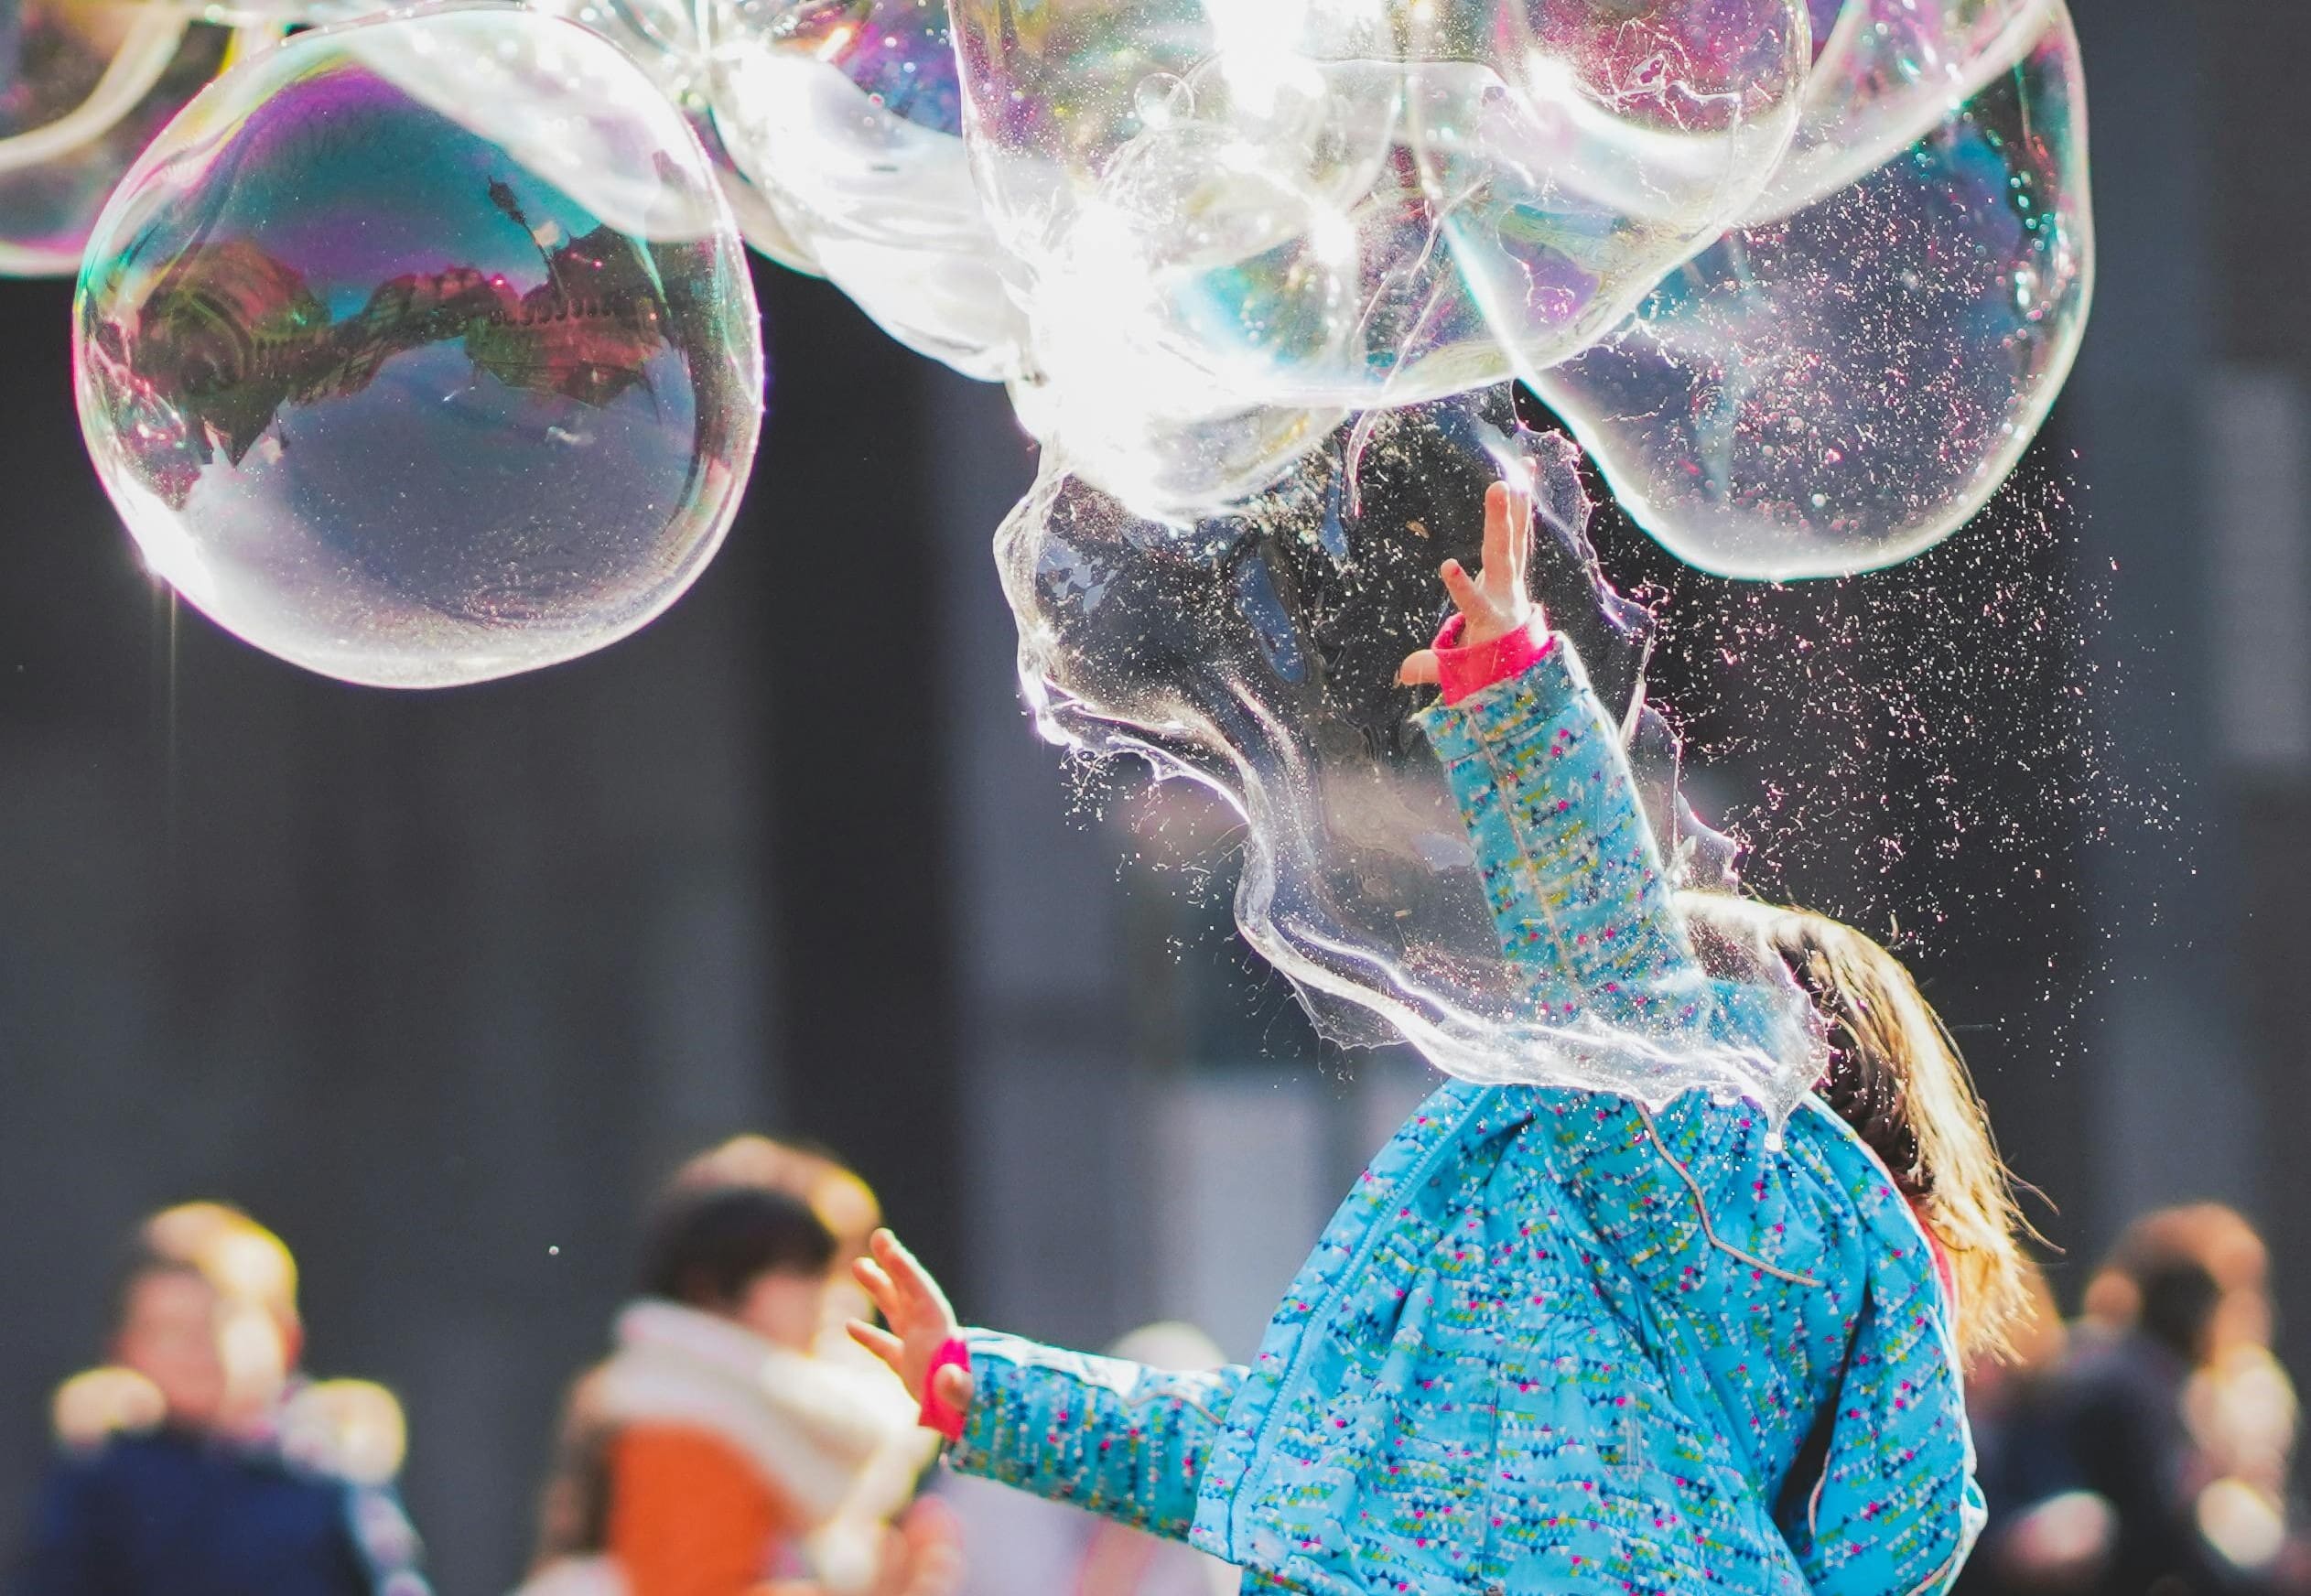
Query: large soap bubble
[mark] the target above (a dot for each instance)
(846, 114)
(422, 350)
(84, 85)
(1256, 654)
(1842, 389)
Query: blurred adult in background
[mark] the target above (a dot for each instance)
(720, 1450)
(2172, 1410)
(2045, 1533)
(2239, 1404)
(199, 1461)
(1019, 1544)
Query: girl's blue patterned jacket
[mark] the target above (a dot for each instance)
(1553, 1342)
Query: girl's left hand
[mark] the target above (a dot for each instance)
(921, 1321)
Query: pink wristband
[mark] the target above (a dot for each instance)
(938, 1413)
(1461, 671)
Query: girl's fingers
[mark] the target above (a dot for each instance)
(1419, 669)
(911, 1277)
(1508, 519)
(1463, 587)
(878, 1285)
(880, 1343)
(898, 1268)
(1497, 508)
(1520, 542)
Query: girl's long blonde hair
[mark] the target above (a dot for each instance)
(1873, 1006)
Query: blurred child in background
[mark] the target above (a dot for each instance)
(717, 1451)
(843, 1203)
(2045, 1533)
(198, 1462)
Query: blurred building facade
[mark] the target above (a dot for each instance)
(438, 987)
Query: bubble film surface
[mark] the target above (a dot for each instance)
(422, 350)
(1256, 654)
(83, 88)
(1199, 234)
(846, 116)
(1839, 390)
(1311, 207)
(664, 38)
(1888, 72)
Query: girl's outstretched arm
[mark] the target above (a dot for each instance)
(1572, 870)
(1114, 1437)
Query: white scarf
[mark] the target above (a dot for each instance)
(838, 1442)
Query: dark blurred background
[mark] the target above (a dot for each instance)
(438, 986)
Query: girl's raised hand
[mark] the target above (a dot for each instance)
(920, 1321)
(1494, 602)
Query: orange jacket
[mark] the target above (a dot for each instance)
(692, 1515)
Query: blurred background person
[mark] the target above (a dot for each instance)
(198, 1462)
(2045, 1533)
(721, 1451)
(2239, 1404)
(2171, 1410)
(841, 1200)
(1016, 1544)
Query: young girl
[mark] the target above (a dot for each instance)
(1555, 1342)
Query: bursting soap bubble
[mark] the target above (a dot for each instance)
(1887, 74)
(84, 85)
(422, 350)
(1256, 654)
(1844, 388)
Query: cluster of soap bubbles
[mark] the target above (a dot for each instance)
(1801, 277)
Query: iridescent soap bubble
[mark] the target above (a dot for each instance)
(1602, 144)
(422, 350)
(1688, 68)
(1055, 91)
(1168, 467)
(84, 85)
(1842, 389)
(846, 114)
(1256, 654)
(1888, 73)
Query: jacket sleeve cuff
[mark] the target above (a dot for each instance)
(938, 1413)
(1463, 672)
